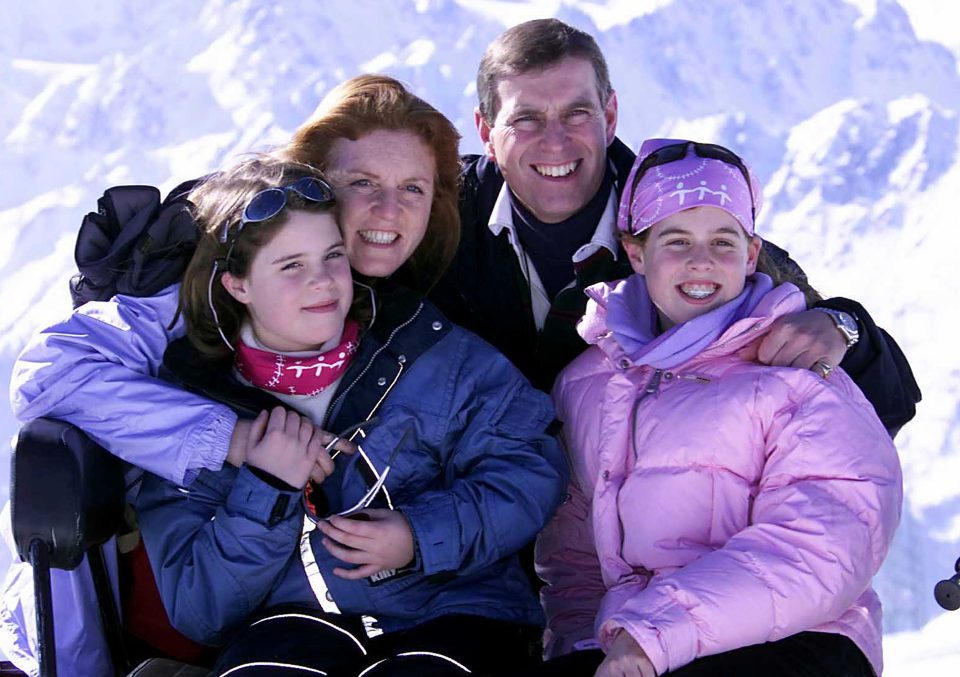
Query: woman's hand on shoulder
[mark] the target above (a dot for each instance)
(287, 446)
(626, 659)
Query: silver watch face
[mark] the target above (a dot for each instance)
(848, 323)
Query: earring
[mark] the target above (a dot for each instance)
(216, 318)
(373, 300)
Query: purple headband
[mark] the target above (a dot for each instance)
(688, 182)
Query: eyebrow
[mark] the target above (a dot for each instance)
(582, 103)
(526, 108)
(673, 231)
(290, 257)
(723, 230)
(373, 175)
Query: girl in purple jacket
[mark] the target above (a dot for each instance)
(723, 517)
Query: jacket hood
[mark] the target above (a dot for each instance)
(594, 328)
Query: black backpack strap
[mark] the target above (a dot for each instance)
(162, 252)
(107, 238)
(133, 244)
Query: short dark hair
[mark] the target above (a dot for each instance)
(531, 46)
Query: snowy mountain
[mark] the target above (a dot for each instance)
(850, 118)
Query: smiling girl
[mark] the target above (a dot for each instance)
(403, 550)
(724, 517)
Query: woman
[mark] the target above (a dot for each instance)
(392, 159)
(724, 517)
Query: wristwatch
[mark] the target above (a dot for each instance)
(846, 324)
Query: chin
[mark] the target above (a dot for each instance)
(380, 268)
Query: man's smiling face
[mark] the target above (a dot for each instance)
(550, 137)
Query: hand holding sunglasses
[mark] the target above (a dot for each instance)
(333, 446)
(382, 542)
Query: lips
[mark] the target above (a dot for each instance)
(324, 307)
(557, 171)
(699, 291)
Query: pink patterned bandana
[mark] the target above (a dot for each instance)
(691, 181)
(298, 375)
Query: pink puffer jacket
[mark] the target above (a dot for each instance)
(718, 504)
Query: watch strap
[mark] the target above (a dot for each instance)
(845, 323)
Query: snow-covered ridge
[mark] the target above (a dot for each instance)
(850, 119)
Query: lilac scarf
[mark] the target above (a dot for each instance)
(632, 318)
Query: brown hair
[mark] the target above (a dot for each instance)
(369, 103)
(532, 46)
(780, 270)
(218, 203)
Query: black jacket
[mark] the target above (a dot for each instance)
(485, 291)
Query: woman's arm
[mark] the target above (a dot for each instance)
(217, 547)
(828, 504)
(97, 370)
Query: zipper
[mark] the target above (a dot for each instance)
(336, 403)
(319, 587)
(653, 385)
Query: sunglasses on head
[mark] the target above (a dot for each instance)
(678, 151)
(268, 203)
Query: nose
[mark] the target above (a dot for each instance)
(701, 258)
(554, 134)
(388, 204)
(321, 277)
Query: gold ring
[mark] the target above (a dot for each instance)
(823, 367)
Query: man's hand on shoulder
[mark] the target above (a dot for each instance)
(803, 340)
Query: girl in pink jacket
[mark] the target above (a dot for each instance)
(724, 516)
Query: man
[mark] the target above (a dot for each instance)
(538, 214)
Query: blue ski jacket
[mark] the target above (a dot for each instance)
(473, 470)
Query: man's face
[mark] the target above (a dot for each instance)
(550, 137)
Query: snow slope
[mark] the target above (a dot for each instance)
(850, 118)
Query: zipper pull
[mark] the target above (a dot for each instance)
(694, 377)
(654, 384)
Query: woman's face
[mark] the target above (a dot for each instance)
(384, 182)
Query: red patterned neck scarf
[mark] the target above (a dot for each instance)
(297, 375)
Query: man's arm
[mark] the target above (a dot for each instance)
(875, 362)
(879, 368)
